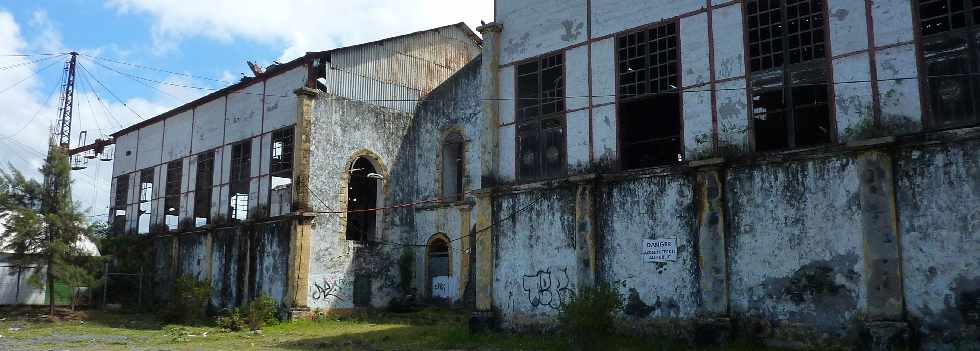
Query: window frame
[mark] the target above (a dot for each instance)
(454, 138)
(972, 54)
(621, 99)
(559, 115)
(287, 133)
(239, 175)
(122, 190)
(149, 200)
(786, 72)
(172, 196)
(199, 192)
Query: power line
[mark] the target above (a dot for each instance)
(97, 97)
(110, 91)
(39, 108)
(29, 76)
(24, 63)
(159, 69)
(131, 77)
(34, 54)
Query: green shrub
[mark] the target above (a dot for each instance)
(189, 303)
(178, 334)
(232, 321)
(588, 318)
(260, 312)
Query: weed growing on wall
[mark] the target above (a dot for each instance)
(189, 303)
(588, 317)
(261, 312)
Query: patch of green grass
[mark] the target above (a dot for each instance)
(423, 330)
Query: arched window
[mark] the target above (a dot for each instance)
(362, 198)
(452, 167)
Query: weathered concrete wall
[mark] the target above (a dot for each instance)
(819, 247)
(241, 262)
(534, 257)
(341, 131)
(651, 207)
(938, 187)
(454, 107)
(796, 245)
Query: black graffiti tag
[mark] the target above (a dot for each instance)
(325, 289)
(545, 288)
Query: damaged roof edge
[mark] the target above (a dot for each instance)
(276, 69)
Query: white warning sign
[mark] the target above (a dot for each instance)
(660, 250)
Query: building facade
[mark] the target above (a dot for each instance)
(240, 188)
(796, 170)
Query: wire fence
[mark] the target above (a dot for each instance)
(24, 285)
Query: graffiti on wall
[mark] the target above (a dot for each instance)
(547, 288)
(328, 289)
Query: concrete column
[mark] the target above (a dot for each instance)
(463, 247)
(298, 275)
(882, 250)
(585, 240)
(301, 149)
(712, 256)
(488, 164)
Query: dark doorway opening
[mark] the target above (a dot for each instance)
(438, 268)
(362, 199)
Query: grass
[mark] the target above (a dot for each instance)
(424, 330)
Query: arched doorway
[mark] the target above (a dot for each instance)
(438, 270)
(362, 197)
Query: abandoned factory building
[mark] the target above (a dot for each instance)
(803, 170)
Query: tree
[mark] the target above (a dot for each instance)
(42, 222)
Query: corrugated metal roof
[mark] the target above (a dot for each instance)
(394, 75)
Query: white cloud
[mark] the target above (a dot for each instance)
(298, 25)
(31, 107)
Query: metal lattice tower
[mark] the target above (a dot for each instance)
(67, 101)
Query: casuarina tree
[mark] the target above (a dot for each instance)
(42, 223)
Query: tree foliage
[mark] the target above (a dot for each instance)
(42, 224)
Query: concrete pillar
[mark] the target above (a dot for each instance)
(712, 256)
(298, 274)
(882, 251)
(585, 240)
(463, 247)
(489, 163)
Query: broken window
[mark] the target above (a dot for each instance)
(145, 202)
(241, 168)
(120, 201)
(202, 188)
(452, 168)
(541, 118)
(950, 44)
(281, 171)
(362, 199)
(171, 201)
(789, 81)
(649, 98)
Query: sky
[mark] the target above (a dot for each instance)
(140, 58)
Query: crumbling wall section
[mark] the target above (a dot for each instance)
(796, 244)
(938, 187)
(341, 131)
(651, 207)
(534, 261)
(241, 262)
